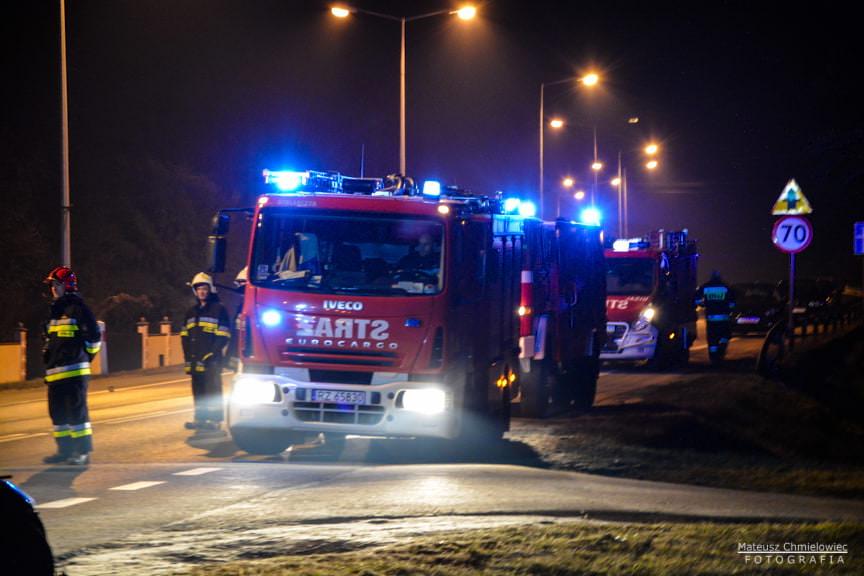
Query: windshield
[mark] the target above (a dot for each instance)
(342, 252)
(629, 276)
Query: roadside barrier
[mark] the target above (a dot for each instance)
(810, 329)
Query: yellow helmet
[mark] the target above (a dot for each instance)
(202, 278)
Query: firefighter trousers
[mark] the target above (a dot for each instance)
(207, 393)
(67, 406)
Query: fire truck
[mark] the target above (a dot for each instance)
(651, 283)
(563, 317)
(373, 307)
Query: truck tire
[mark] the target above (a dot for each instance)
(581, 384)
(262, 440)
(535, 390)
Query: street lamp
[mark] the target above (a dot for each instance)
(650, 150)
(591, 79)
(464, 13)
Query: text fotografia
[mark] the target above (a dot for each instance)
(793, 553)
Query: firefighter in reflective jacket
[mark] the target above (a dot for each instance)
(71, 340)
(205, 334)
(717, 299)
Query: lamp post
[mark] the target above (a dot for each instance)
(650, 151)
(464, 13)
(66, 218)
(587, 80)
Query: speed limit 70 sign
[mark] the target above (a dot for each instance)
(792, 234)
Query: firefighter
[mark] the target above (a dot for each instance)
(717, 299)
(71, 340)
(205, 334)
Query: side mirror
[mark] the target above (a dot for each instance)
(218, 251)
(220, 224)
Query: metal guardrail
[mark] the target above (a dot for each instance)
(810, 328)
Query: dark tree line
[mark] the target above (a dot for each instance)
(139, 234)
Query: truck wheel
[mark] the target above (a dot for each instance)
(535, 391)
(582, 383)
(334, 443)
(261, 440)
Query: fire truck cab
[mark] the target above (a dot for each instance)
(651, 283)
(373, 307)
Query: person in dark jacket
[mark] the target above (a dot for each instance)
(717, 299)
(205, 334)
(72, 339)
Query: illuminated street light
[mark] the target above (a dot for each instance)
(589, 80)
(464, 13)
(621, 182)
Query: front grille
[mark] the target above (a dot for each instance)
(301, 355)
(615, 335)
(340, 377)
(363, 414)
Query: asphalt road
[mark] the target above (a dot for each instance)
(158, 497)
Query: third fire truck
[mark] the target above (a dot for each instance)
(651, 284)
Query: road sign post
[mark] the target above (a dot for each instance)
(792, 233)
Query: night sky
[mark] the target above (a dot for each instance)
(741, 95)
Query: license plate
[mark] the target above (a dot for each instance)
(339, 396)
(748, 320)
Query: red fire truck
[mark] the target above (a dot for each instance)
(563, 317)
(651, 283)
(373, 308)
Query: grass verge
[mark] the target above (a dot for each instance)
(586, 548)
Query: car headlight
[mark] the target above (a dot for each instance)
(645, 317)
(254, 391)
(425, 400)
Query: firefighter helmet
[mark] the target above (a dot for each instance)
(202, 278)
(65, 276)
(242, 278)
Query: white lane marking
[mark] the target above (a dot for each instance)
(12, 437)
(121, 388)
(156, 414)
(196, 471)
(136, 485)
(64, 503)
(67, 502)
(121, 420)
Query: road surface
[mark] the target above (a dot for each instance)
(158, 497)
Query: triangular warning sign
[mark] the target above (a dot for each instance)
(791, 201)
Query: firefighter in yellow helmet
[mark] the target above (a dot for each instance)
(205, 334)
(71, 340)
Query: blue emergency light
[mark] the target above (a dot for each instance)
(590, 216)
(432, 188)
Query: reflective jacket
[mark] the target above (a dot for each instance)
(205, 333)
(717, 299)
(71, 339)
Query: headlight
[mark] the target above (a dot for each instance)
(271, 317)
(645, 317)
(254, 391)
(427, 400)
